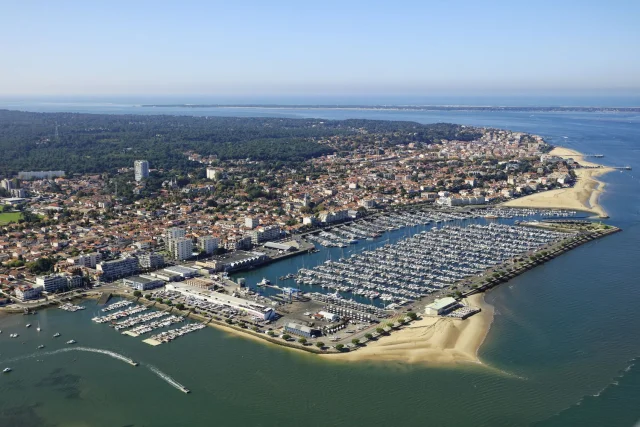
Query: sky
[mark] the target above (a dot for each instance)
(322, 47)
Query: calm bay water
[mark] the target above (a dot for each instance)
(562, 347)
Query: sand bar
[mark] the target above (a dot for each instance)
(430, 340)
(582, 196)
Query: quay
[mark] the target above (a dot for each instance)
(104, 298)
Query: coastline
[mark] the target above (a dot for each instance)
(430, 340)
(582, 196)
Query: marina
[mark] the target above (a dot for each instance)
(425, 263)
(172, 334)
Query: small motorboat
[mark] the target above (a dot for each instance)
(41, 346)
(71, 342)
(6, 370)
(56, 335)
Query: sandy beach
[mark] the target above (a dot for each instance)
(582, 196)
(430, 340)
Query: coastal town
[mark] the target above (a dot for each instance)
(182, 242)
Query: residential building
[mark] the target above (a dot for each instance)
(151, 260)
(40, 174)
(141, 170)
(251, 222)
(208, 244)
(27, 292)
(55, 282)
(181, 248)
(116, 269)
(264, 234)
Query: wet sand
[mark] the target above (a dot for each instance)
(582, 196)
(430, 340)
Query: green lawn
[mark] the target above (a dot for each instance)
(7, 217)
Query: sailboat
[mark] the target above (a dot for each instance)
(38, 328)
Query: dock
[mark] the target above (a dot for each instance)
(104, 298)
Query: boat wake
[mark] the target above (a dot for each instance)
(66, 350)
(168, 379)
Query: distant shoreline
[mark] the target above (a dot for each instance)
(406, 107)
(583, 195)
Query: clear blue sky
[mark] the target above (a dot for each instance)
(314, 47)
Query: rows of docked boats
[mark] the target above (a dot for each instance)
(133, 321)
(499, 212)
(117, 305)
(157, 324)
(343, 235)
(71, 307)
(172, 334)
(427, 262)
(120, 314)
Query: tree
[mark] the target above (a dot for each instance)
(355, 341)
(180, 306)
(319, 344)
(286, 337)
(302, 341)
(390, 324)
(380, 331)
(412, 315)
(271, 333)
(339, 347)
(148, 296)
(368, 336)
(137, 294)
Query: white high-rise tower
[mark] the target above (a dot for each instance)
(141, 169)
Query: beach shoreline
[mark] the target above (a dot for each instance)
(432, 341)
(583, 196)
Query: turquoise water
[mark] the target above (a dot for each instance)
(561, 350)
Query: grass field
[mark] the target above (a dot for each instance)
(7, 217)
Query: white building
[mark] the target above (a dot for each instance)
(118, 268)
(6, 184)
(54, 282)
(40, 174)
(141, 169)
(214, 174)
(151, 260)
(441, 306)
(208, 244)
(250, 307)
(251, 222)
(265, 234)
(181, 248)
(143, 283)
(85, 260)
(26, 292)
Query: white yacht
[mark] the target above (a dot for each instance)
(28, 325)
(71, 342)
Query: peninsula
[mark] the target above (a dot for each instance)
(172, 211)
